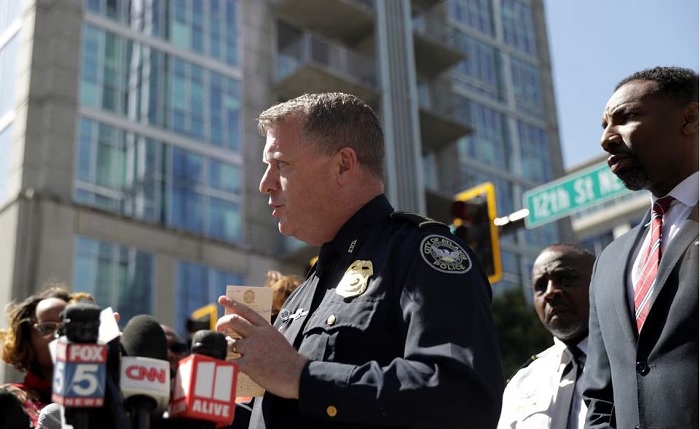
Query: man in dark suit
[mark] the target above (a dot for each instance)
(642, 364)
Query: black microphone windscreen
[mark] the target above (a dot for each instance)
(144, 337)
(81, 322)
(209, 343)
(50, 417)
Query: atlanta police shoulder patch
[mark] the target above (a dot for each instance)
(445, 255)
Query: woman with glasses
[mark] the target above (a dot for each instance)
(33, 324)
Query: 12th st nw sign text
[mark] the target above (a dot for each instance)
(572, 193)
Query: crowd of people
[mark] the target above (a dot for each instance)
(393, 326)
(33, 323)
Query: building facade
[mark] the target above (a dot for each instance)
(130, 157)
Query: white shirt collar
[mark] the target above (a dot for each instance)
(583, 344)
(685, 192)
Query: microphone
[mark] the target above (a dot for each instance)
(205, 384)
(145, 371)
(81, 365)
(209, 343)
(50, 417)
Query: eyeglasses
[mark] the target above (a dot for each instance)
(49, 328)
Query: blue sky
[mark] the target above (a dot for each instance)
(596, 43)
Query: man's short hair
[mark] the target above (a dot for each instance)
(576, 248)
(333, 121)
(676, 83)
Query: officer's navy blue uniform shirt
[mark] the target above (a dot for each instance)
(396, 321)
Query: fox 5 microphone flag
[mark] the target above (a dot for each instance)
(205, 389)
(79, 374)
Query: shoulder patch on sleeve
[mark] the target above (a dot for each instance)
(445, 255)
(421, 221)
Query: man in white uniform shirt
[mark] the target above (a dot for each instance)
(546, 394)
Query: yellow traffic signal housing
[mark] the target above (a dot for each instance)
(473, 212)
(203, 318)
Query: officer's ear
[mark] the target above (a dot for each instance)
(345, 164)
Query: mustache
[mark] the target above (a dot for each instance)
(620, 150)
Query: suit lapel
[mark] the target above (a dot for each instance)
(622, 303)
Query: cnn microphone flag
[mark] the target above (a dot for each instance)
(79, 374)
(205, 389)
(144, 376)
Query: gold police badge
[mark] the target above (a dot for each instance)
(354, 281)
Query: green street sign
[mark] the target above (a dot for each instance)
(560, 198)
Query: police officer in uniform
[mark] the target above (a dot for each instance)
(392, 326)
(548, 392)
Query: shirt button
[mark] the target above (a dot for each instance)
(642, 368)
(331, 319)
(331, 411)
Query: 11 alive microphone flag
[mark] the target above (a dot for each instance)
(205, 389)
(79, 374)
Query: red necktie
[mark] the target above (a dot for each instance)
(643, 284)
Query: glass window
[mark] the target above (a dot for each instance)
(224, 220)
(477, 14)
(207, 28)
(527, 87)
(110, 157)
(199, 285)
(518, 27)
(126, 173)
(534, 163)
(178, 96)
(488, 143)
(481, 71)
(8, 75)
(117, 276)
(224, 177)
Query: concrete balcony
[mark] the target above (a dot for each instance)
(346, 20)
(435, 44)
(312, 64)
(425, 4)
(444, 117)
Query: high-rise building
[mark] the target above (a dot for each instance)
(129, 152)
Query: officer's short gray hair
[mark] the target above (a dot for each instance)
(333, 120)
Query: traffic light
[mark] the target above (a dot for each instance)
(473, 212)
(202, 318)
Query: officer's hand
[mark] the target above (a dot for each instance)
(266, 355)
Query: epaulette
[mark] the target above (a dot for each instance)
(524, 365)
(421, 221)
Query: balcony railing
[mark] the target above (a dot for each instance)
(346, 20)
(367, 4)
(310, 49)
(433, 26)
